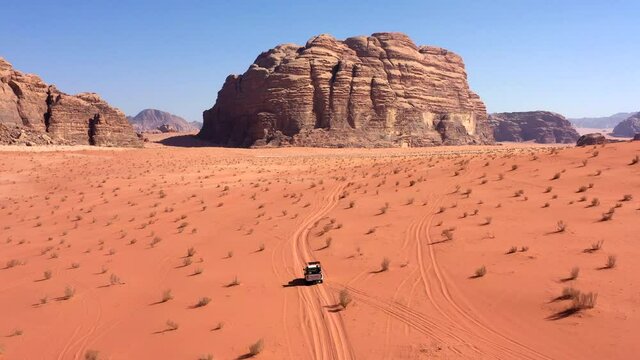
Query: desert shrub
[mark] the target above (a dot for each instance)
(548, 190)
(256, 348)
(480, 272)
(383, 210)
(197, 271)
(524, 249)
(12, 263)
(595, 202)
(487, 220)
(627, 197)
(569, 293)
(448, 233)
(47, 274)
(512, 250)
(345, 298)
(166, 295)
(204, 301)
(635, 160)
(596, 246)
(69, 292)
(172, 325)
(261, 247)
(187, 261)
(611, 262)
(234, 282)
(384, 266)
(92, 355)
(556, 176)
(607, 216)
(584, 301)
(561, 226)
(191, 251)
(115, 280)
(582, 189)
(574, 273)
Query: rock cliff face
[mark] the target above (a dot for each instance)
(27, 102)
(151, 120)
(543, 127)
(381, 90)
(629, 127)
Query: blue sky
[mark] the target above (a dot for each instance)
(578, 58)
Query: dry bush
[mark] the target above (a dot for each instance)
(235, 282)
(480, 272)
(582, 189)
(75, 265)
(166, 296)
(594, 202)
(384, 266)
(607, 216)
(524, 248)
(569, 293)
(487, 220)
(584, 301)
(574, 273)
(556, 176)
(155, 241)
(512, 250)
(187, 261)
(256, 348)
(548, 190)
(115, 280)
(635, 160)
(383, 210)
(611, 262)
(69, 292)
(627, 197)
(370, 231)
(197, 271)
(561, 226)
(47, 274)
(345, 298)
(261, 247)
(172, 325)
(191, 251)
(12, 263)
(92, 355)
(595, 246)
(204, 301)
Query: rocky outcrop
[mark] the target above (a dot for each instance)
(28, 104)
(380, 90)
(629, 127)
(542, 127)
(151, 120)
(591, 139)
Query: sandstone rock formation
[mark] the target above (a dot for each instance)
(629, 127)
(591, 139)
(380, 90)
(152, 120)
(27, 103)
(540, 126)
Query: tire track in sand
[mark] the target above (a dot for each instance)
(328, 335)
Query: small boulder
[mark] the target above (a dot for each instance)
(591, 139)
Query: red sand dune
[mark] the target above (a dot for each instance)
(116, 225)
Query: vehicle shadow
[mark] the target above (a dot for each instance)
(297, 282)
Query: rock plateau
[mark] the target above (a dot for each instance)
(542, 127)
(29, 106)
(629, 127)
(152, 120)
(366, 91)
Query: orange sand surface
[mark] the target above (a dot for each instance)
(91, 241)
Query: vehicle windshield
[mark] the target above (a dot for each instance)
(312, 270)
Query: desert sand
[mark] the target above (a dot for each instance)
(197, 252)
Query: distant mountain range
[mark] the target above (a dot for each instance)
(152, 120)
(606, 122)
